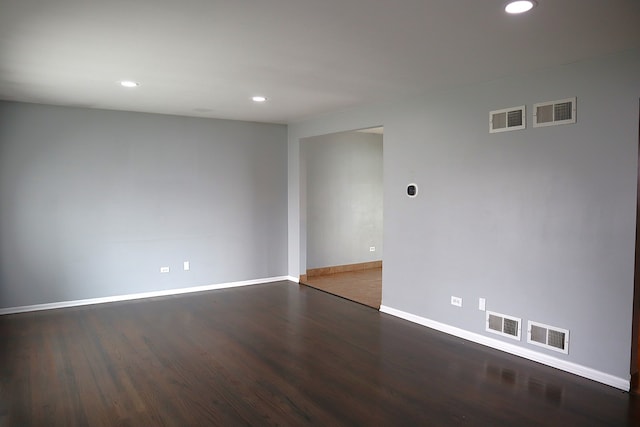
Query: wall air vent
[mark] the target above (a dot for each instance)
(554, 113)
(501, 324)
(549, 337)
(507, 119)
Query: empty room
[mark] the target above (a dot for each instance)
(174, 176)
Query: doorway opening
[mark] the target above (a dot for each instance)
(342, 206)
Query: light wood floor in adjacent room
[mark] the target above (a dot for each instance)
(363, 286)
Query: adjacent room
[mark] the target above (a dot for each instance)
(327, 213)
(341, 182)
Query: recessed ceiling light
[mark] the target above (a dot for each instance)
(521, 6)
(259, 99)
(129, 83)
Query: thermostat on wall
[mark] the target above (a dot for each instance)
(412, 190)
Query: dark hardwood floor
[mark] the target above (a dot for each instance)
(276, 354)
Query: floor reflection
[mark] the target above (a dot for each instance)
(533, 386)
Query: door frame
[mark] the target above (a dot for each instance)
(635, 328)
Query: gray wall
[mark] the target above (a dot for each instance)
(343, 198)
(540, 222)
(93, 203)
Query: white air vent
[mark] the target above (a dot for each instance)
(554, 113)
(507, 119)
(504, 325)
(550, 337)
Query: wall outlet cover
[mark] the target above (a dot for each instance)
(457, 301)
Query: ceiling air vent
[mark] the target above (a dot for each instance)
(504, 325)
(507, 119)
(554, 113)
(550, 337)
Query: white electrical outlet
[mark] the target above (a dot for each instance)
(164, 269)
(457, 301)
(481, 304)
(372, 248)
(186, 265)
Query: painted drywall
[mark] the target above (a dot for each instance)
(93, 203)
(540, 222)
(343, 198)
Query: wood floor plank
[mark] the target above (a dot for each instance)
(276, 354)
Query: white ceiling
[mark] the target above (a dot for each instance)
(206, 58)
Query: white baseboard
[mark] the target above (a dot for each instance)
(583, 371)
(116, 298)
(293, 279)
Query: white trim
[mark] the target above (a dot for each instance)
(116, 298)
(293, 279)
(574, 368)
